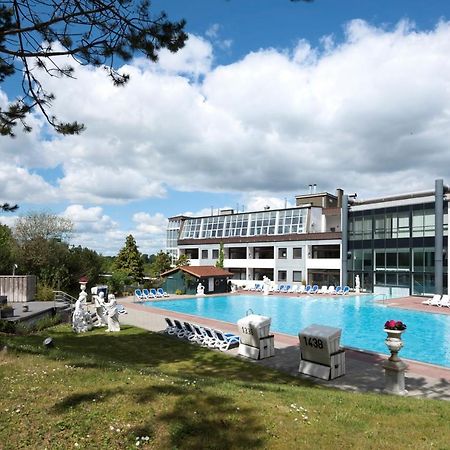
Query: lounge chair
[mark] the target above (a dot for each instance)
(308, 289)
(191, 334)
(147, 294)
(331, 290)
(181, 331)
(282, 288)
(445, 301)
(314, 289)
(436, 299)
(139, 296)
(323, 290)
(338, 290)
(210, 337)
(301, 289)
(258, 287)
(154, 293)
(346, 290)
(293, 289)
(224, 341)
(200, 334)
(276, 288)
(121, 309)
(171, 328)
(162, 292)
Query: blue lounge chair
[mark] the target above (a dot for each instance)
(308, 289)
(162, 292)
(314, 289)
(147, 294)
(339, 290)
(139, 296)
(154, 293)
(346, 290)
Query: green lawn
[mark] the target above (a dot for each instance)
(104, 391)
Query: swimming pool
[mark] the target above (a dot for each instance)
(426, 339)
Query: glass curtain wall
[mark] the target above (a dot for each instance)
(394, 247)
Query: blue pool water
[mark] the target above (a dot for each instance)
(426, 339)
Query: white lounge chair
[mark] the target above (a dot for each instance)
(301, 289)
(331, 290)
(224, 341)
(435, 299)
(445, 301)
(323, 290)
(293, 289)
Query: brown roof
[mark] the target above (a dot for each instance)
(201, 271)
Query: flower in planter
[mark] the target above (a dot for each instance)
(395, 325)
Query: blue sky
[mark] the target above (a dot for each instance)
(267, 97)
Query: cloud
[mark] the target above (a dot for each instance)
(368, 114)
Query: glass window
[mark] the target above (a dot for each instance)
(282, 253)
(391, 278)
(380, 278)
(282, 275)
(403, 259)
(297, 276)
(215, 254)
(297, 253)
(204, 254)
(418, 260)
(357, 260)
(367, 228)
(403, 279)
(391, 260)
(380, 261)
(368, 260)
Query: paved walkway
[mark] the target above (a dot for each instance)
(364, 372)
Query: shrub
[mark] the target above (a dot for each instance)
(44, 293)
(179, 292)
(7, 327)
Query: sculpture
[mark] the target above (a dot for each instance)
(113, 314)
(200, 289)
(357, 284)
(266, 285)
(99, 301)
(81, 319)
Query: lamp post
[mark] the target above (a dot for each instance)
(14, 269)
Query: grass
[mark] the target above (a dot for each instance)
(138, 389)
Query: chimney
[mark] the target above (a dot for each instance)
(339, 195)
(310, 188)
(314, 188)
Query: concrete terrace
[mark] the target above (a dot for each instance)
(364, 372)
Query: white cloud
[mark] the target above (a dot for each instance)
(369, 114)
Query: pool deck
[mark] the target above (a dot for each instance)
(364, 371)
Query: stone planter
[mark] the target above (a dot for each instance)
(394, 343)
(6, 312)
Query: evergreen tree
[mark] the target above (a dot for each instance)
(219, 262)
(161, 264)
(129, 259)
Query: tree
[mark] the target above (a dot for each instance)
(183, 260)
(219, 262)
(35, 34)
(161, 264)
(7, 248)
(42, 247)
(129, 259)
(8, 207)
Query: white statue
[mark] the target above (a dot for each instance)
(81, 319)
(357, 284)
(266, 285)
(100, 312)
(200, 289)
(113, 313)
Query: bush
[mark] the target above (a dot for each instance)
(179, 292)
(7, 327)
(44, 293)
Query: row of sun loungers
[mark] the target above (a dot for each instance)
(145, 294)
(302, 289)
(207, 337)
(437, 300)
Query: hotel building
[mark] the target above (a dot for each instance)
(395, 244)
